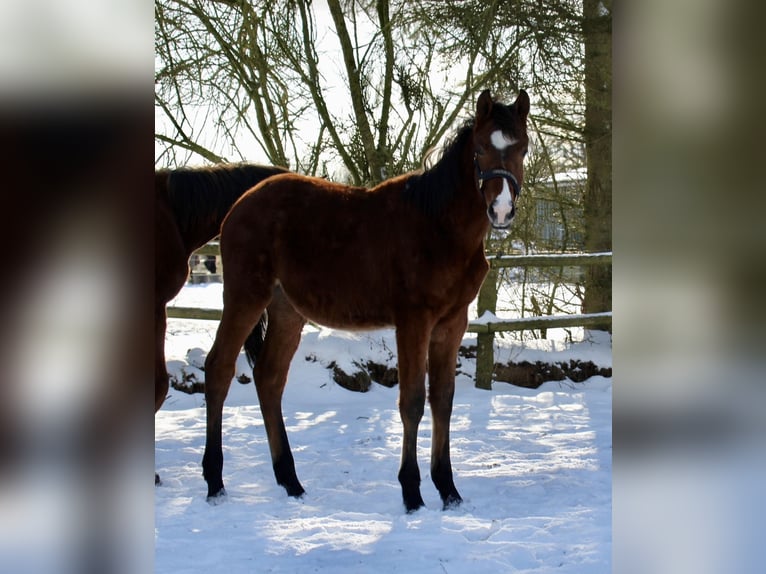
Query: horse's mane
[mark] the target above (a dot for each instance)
(196, 194)
(433, 188)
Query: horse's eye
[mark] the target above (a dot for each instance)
(480, 150)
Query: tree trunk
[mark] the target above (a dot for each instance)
(357, 93)
(597, 31)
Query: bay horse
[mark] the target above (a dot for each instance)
(190, 204)
(408, 253)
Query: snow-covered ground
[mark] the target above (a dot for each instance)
(533, 467)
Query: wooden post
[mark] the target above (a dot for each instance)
(485, 351)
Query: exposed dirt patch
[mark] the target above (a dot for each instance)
(467, 352)
(521, 374)
(532, 375)
(383, 374)
(361, 379)
(187, 383)
(358, 381)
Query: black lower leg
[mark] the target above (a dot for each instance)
(212, 461)
(212, 467)
(441, 474)
(284, 464)
(409, 478)
(284, 471)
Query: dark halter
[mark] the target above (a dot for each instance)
(497, 173)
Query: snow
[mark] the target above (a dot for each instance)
(533, 467)
(486, 318)
(567, 177)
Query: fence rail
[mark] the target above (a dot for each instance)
(212, 248)
(540, 322)
(550, 260)
(488, 324)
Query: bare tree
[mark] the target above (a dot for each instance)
(252, 71)
(597, 30)
(214, 78)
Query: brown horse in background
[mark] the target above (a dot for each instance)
(407, 253)
(190, 204)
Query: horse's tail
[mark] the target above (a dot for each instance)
(254, 340)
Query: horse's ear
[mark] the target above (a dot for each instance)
(483, 106)
(522, 104)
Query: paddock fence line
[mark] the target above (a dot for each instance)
(487, 324)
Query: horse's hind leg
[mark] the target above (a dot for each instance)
(270, 373)
(442, 358)
(237, 321)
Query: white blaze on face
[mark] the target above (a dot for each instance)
(501, 140)
(503, 205)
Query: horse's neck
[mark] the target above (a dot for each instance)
(201, 201)
(201, 233)
(206, 225)
(468, 215)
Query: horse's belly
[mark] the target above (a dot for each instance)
(338, 308)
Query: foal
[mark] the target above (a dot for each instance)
(407, 253)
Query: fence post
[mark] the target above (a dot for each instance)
(485, 342)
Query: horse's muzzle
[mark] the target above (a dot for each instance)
(502, 209)
(500, 223)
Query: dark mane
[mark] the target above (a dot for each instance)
(432, 189)
(202, 193)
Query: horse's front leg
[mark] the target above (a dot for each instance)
(161, 382)
(442, 358)
(412, 345)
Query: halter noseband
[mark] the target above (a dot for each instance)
(496, 173)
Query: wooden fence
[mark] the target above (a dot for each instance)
(487, 325)
(486, 303)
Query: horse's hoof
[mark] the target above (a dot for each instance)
(157, 481)
(295, 490)
(217, 498)
(414, 505)
(452, 501)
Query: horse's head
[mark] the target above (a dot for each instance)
(500, 144)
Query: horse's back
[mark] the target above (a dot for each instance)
(327, 245)
(311, 217)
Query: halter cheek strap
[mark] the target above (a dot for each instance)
(497, 173)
